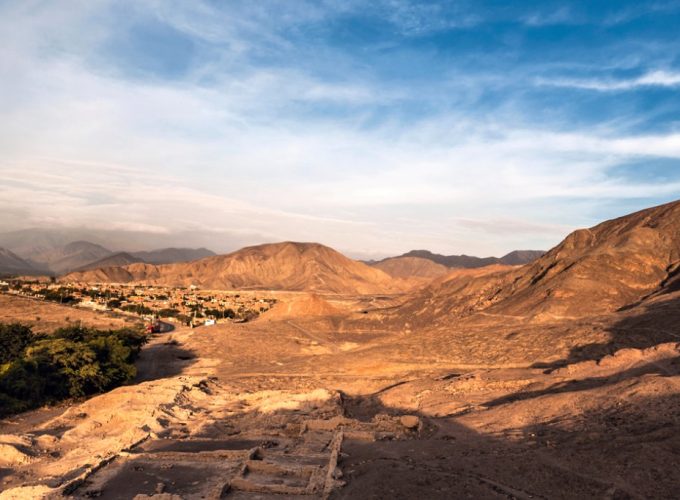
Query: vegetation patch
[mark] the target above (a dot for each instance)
(73, 362)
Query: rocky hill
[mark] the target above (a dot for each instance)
(598, 270)
(279, 266)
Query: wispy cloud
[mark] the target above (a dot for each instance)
(561, 15)
(275, 128)
(659, 78)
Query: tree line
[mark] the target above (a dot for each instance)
(72, 362)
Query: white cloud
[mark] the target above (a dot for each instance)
(659, 78)
(87, 147)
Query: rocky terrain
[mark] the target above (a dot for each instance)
(558, 379)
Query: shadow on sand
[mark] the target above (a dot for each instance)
(164, 357)
(655, 323)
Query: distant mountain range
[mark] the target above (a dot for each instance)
(48, 254)
(516, 258)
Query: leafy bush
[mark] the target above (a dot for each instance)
(14, 338)
(72, 362)
(221, 313)
(62, 295)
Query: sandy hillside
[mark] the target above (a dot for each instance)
(593, 271)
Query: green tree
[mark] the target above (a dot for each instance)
(14, 338)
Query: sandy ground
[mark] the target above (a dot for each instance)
(306, 405)
(45, 317)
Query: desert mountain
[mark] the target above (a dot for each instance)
(162, 256)
(64, 250)
(70, 256)
(515, 258)
(114, 260)
(466, 261)
(520, 257)
(278, 266)
(598, 270)
(411, 267)
(29, 243)
(34, 244)
(10, 263)
(170, 255)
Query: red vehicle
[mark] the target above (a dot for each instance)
(153, 327)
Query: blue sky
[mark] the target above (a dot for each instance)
(375, 127)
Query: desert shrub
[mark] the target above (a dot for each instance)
(73, 362)
(138, 308)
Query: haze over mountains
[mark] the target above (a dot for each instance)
(40, 252)
(11, 263)
(63, 250)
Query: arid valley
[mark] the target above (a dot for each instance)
(559, 378)
(339, 249)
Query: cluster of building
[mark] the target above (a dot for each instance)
(184, 305)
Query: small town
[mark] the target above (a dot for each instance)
(188, 306)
